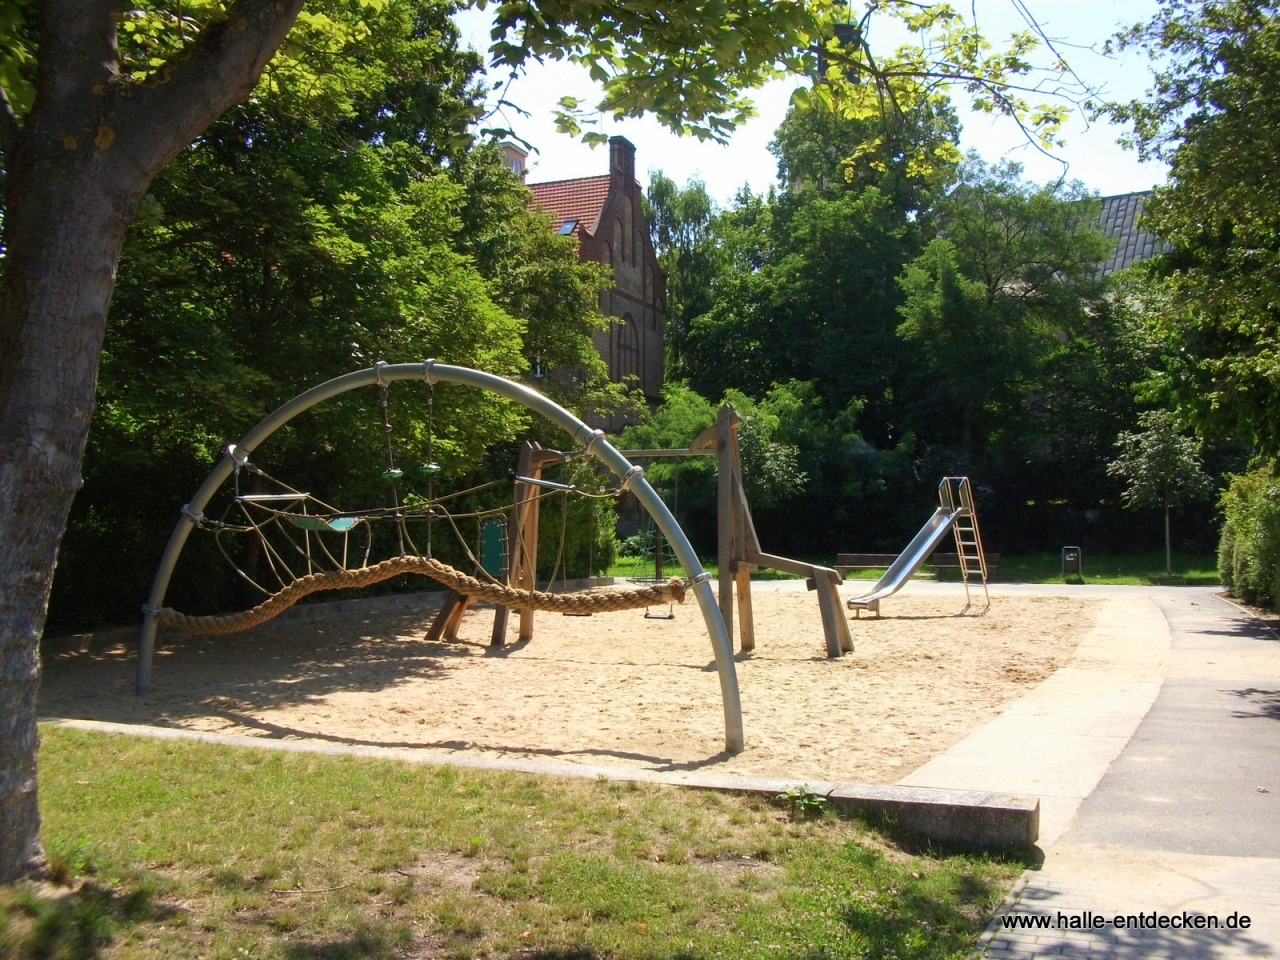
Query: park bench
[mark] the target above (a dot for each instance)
(879, 561)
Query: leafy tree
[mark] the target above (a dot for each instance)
(912, 161)
(281, 248)
(98, 99)
(727, 346)
(680, 227)
(1013, 271)
(1161, 467)
(1212, 114)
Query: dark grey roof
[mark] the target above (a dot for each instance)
(1119, 219)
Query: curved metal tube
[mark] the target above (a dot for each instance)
(433, 372)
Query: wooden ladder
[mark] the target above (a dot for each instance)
(956, 493)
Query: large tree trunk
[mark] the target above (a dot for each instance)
(63, 244)
(76, 171)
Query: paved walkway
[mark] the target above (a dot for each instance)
(1185, 823)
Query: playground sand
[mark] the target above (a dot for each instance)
(613, 689)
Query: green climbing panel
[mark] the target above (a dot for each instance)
(493, 546)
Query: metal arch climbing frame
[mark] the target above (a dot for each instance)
(433, 372)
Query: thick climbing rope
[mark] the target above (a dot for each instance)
(598, 601)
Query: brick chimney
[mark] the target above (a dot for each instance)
(622, 164)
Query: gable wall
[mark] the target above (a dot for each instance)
(632, 346)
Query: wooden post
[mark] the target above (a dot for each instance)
(724, 512)
(524, 564)
(742, 573)
(842, 622)
(829, 605)
(499, 638)
(445, 625)
(746, 622)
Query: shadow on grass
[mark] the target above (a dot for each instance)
(364, 945)
(918, 845)
(76, 923)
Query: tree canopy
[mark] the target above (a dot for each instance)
(1216, 308)
(285, 246)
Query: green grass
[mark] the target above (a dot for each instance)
(1137, 569)
(177, 849)
(1144, 569)
(634, 567)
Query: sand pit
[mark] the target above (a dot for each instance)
(613, 689)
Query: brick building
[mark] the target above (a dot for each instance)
(606, 216)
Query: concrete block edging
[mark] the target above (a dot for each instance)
(984, 821)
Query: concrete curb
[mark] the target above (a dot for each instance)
(963, 817)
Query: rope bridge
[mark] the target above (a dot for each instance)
(603, 601)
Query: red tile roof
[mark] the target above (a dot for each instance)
(581, 199)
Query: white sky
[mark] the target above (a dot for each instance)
(1091, 154)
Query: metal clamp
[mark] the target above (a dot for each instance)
(235, 453)
(703, 577)
(428, 370)
(194, 516)
(380, 371)
(151, 611)
(596, 436)
(635, 471)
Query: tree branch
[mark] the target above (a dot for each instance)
(155, 122)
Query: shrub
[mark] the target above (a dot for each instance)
(1227, 557)
(1249, 552)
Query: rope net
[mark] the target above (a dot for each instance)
(286, 544)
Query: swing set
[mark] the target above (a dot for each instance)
(303, 545)
(739, 553)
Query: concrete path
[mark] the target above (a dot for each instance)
(1059, 739)
(1185, 823)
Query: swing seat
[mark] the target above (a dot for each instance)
(337, 525)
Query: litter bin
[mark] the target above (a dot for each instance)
(1071, 565)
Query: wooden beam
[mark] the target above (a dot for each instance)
(709, 437)
(439, 626)
(742, 579)
(785, 564)
(541, 456)
(724, 512)
(524, 566)
(671, 452)
(746, 621)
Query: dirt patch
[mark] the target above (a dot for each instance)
(445, 870)
(613, 689)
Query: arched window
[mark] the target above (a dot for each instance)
(619, 247)
(606, 254)
(628, 348)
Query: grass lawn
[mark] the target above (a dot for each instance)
(193, 850)
(1143, 568)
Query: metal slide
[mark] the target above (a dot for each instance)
(956, 514)
(900, 571)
